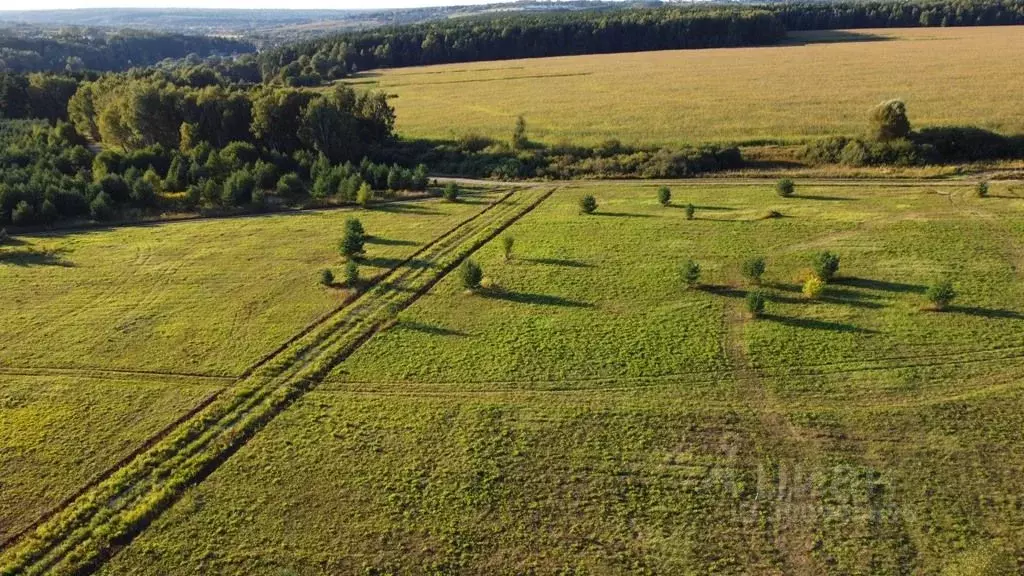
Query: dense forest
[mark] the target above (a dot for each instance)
(520, 36)
(897, 14)
(73, 50)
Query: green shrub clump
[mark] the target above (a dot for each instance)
(753, 268)
(690, 211)
(352, 243)
(813, 287)
(941, 294)
(664, 195)
(825, 266)
(471, 274)
(507, 243)
(755, 302)
(451, 192)
(327, 277)
(785, 188)
(690, 273)
(981, 189)
(351, 274)
(588, 204)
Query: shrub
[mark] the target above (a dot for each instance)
(102, 207)
(888, 121)
(23, 214)
(825, 266)
(813, 287)
(354, 225)
(4, 236)
(941, 294)
(784, 188)
(507, 242)
(854, 154)
(326, 277)
(664, 195)
(451, 192)
(753, 269)
(351, 245)
(471, 274)
(981, 189)
(290, 186)
(588, 204)
(351, 274)
(755, 302)
(365, 195)
(519, 138)
(691, 210)
(690, 273)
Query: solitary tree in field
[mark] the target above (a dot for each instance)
(755, 302)
(355, 225)
(351, 274)
(351, 245)
(813, 288)
(941, 294)
(326, 277)
(753, 269)
(588, 204)
(888, 121)
(471, 274)
(507, 243)
(451, 192)
(690, 273)
(825, 265)
(690, 211)
(785, 188)
(519, 138)
(981, 189)
(664, 195)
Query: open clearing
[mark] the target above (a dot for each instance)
(814, 87)
(593, 417)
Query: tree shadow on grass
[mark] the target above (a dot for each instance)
(559, 262)
(881, 285)
(389, 242)
(403, 208)
(824, 198)
(811, 324)
(722, 290)
(704, 208)
(385, 262)
(27, 258)
(538, 299)
(986, 312)
(429, 329)
(623, 215)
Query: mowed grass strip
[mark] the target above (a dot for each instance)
(947, 76)
(60, 432)
(209, 297)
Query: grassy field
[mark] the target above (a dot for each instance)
(591, 416)
(814, 87)
(204, 297)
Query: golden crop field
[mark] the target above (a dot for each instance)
(822, 83)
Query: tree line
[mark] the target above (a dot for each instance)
(79, 49)
(520, 36)
(897, 14)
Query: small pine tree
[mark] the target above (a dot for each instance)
(354, 225)
(664, 196)
(825, 265)
(813, 288)
(753, 269)
(451, 192)
(471, 274)
(691, 210)
(351, 245)
(785, 188)
(365, 195)
(981, 189)
(352, 274)
(941, 294)
(102, 207)
(507, 243)
(327, 277)
(588, 204)
(690, 273)
(756, 300)
(519, 138)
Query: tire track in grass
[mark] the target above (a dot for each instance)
(81, 536)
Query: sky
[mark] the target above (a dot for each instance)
(318, 4)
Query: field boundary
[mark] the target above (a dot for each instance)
(93, 527)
